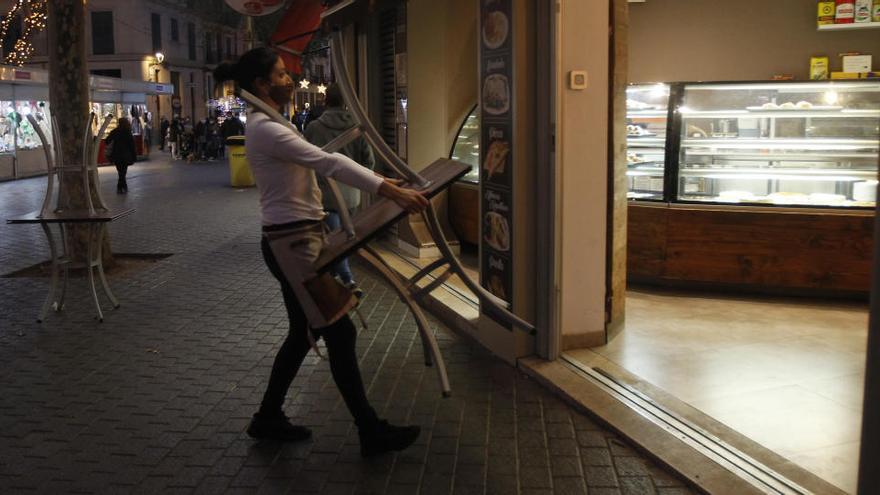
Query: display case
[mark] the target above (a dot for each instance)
(464, 195)
(647, 109)
(807, 144)
(466, 147)
(780, 143)
(767, 186)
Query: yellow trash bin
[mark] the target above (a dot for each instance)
(240, 174)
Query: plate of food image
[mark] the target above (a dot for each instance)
(496, 27)
(496, 287)
(497, 233)
(496, 157)
(496, 94)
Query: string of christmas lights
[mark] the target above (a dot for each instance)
(34, 22)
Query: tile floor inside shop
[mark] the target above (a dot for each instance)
(785, 373)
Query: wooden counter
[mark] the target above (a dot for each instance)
(788, 250)
(464, 211)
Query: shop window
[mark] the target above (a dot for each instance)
(156, 24)
(175, 80)
(175, 30)
(191, 39)
(102, 33)
(209, 48)
(8, 125)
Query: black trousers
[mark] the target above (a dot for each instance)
(340, 339)
(122, 170)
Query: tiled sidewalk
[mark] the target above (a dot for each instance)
(156, 398)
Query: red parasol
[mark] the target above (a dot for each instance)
(295, 31)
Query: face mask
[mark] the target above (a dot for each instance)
(279, 94)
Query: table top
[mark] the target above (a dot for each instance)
(71, 216)
(384, 212)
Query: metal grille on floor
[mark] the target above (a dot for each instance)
(753, 471)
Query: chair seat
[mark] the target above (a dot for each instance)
(384, 212)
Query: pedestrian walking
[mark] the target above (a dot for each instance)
(199, 133)
(148, 132)
(284, 165)
(122, 153)
(163, 132)
(333, 121)
(174, 138)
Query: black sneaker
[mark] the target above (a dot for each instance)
(385, 437)
(277, 428)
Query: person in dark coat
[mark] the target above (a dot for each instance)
(163, 131)
(231, 126)
(123, 153)
(333, 121)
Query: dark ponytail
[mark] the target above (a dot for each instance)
(255, 63)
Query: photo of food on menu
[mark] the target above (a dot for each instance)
(497, 276)
(496, 228)
(495, 160)
(496, 94)
(496, 27)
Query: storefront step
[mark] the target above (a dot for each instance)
(711, 456)
(451, 303)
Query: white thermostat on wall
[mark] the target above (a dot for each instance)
(577, 79)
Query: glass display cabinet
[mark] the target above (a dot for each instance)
(464, 195)
(647, 108)
(466, 147)
(785, 144)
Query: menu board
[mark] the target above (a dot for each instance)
(496, 148)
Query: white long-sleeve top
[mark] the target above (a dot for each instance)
(284, 166)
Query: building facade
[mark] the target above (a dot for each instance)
(124, 37)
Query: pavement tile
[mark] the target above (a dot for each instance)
(600, 476)
(562, 466)
(631, 466)
(569, 486)
(596, 457)
(534, 477)
(637, 485)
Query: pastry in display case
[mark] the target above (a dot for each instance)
(646, 119)
(780, 143)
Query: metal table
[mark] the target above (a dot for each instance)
(97, 225)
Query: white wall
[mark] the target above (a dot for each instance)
(441, 76)
(582, 147)
(718, 40)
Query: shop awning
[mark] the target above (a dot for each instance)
(302, 17)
